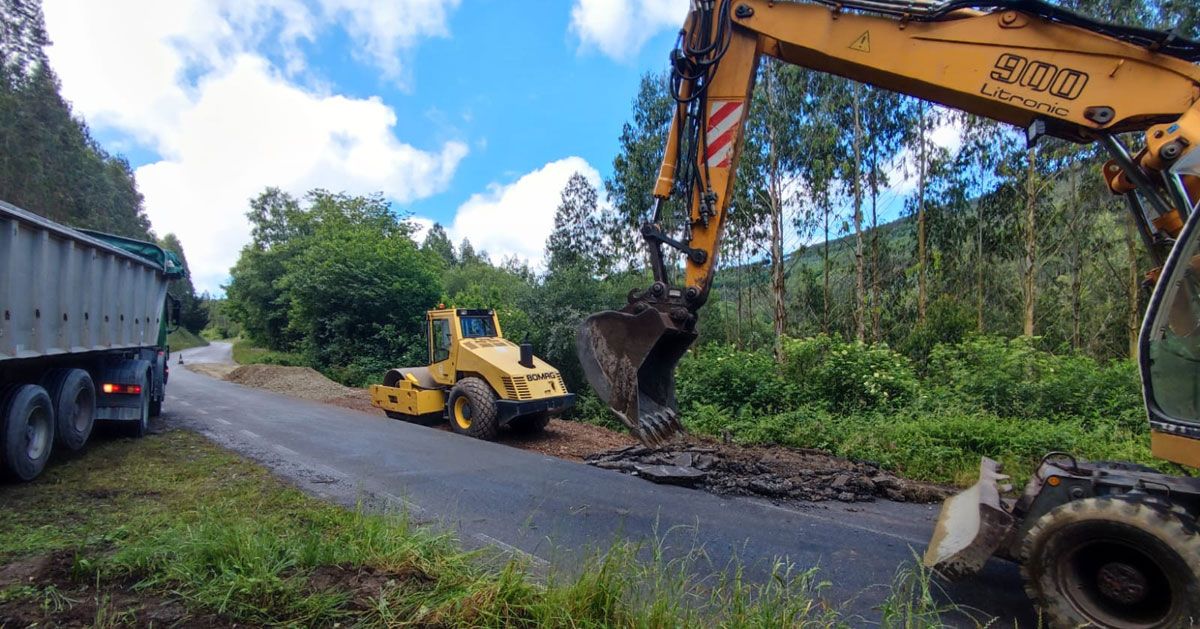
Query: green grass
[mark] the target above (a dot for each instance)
(182, 339)
(174, 518)
(932, 443)
(246, 354)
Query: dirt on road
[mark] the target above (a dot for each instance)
(774, 472)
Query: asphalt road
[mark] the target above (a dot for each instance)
(553, 511)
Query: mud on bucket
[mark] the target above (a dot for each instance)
(630, 362)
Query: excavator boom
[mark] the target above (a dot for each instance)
(1022, 62)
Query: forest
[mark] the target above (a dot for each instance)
(52, 166)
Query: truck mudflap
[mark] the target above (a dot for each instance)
(972, 526)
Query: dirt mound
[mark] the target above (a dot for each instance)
(773, 472)
(569, 440)
(212, 370)
(301, 382)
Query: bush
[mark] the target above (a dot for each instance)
(725, 377)
(848, 376)
(947, 321)
(1012, 378)
(246, 354)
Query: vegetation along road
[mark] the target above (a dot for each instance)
(548, 510)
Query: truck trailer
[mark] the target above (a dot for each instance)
(84, 318)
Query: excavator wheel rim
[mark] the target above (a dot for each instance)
(1072, 549)
(462, 412)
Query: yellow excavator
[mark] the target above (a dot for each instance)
(1107, 544)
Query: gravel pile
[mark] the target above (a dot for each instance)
(771, 472)
(301, 382)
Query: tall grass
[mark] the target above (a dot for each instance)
(173, 516)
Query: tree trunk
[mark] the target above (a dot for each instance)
(859, 284)
(740, 274)
(876, 305)
(1133, 321)
(979, 325)
(825, 273)
(1076, 270)
(921, 174)
(778, 286)
(1029, 269)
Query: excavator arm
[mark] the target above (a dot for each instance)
(1021, 62)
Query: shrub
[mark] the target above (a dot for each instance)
(729, 378)
(946, 321)
(1013, 378)
(848, 376)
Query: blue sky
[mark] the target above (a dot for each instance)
(471, 113)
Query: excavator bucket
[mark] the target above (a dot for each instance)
(972, 526)
(629, 359)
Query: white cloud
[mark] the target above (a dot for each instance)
(517, 218)
(387, 28)
(619, 28)
(190, 80)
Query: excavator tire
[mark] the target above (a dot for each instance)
(472, 407)
(530, 424)
(1112, 562)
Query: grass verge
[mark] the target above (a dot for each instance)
(173, 530)
(246, 354)
(182, 339)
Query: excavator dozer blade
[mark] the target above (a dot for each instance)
(630, 362)
(972, 526)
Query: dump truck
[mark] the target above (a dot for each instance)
(1100, 543)
(83, 336)
(476, 379)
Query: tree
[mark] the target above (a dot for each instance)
(635, 168)
(467, 255)
(193, 315)
(575, 240)
(437, 243)
(50, 164)
(23, 37)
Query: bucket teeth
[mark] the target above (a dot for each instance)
(629, 359)
(657, 428)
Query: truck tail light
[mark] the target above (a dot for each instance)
(127, 389)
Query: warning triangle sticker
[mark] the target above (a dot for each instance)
(863, 43)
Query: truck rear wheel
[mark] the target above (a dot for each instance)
(1113, 563)
(139, 429)
(28, 430)
(472, 409)
(74, 396)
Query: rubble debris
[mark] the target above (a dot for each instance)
(670, 474)
(773, 472)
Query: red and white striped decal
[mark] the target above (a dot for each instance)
(724, 116)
